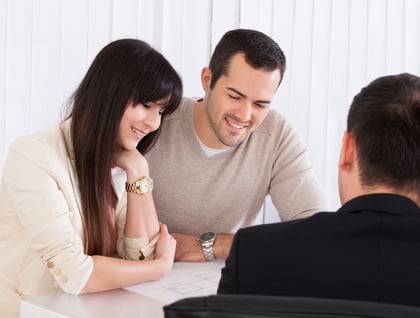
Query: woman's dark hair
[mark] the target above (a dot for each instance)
(124, 71)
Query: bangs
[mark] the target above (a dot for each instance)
(158, 81)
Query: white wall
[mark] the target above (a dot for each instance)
(333, 48)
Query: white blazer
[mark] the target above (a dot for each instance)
(40, 221)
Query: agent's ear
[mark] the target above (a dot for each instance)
(206, 78)
(348, 152)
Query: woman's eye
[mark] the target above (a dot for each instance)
(145, 105)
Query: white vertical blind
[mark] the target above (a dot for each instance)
(333, 48)
(411, 35)
(3, 61)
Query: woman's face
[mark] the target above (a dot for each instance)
(139, 120)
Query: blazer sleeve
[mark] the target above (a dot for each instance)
(228, 283)
(34, 177)
(139, 248)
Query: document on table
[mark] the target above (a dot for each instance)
(184, 280)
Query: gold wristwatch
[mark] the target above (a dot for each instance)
(142, 186)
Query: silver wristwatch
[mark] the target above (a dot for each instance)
(207, 240)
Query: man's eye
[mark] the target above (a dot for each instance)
(234, 97)
(145, 105)
(260, 105)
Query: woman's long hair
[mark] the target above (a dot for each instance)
(124, 71)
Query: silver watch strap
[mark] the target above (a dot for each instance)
(208, 252)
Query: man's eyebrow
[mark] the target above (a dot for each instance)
(236, 91)
(243, 95)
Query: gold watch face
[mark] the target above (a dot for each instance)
(144, 185)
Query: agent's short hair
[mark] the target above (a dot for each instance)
(385, 121)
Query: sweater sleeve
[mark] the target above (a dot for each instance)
(294, 187)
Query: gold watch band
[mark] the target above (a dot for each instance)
(142, 186)
(131, 187)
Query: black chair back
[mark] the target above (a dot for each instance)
(258, 306)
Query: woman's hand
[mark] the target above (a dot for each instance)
(165, 248)
(133, 163)
(111, 272)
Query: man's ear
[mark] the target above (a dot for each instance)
(348, 152)
(206, 78)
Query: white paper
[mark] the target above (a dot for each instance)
(184, 280)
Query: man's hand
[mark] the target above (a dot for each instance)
(188, 248)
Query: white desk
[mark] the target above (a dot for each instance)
(142, 300)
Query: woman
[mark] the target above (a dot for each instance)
(64, 214)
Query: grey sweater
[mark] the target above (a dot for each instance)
(195, 193)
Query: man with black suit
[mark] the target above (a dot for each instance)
(370, 248)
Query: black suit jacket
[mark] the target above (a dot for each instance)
(369, 250)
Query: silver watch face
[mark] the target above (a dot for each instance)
(207, 237)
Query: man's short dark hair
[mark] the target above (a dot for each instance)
(259, 50)
(385, 121)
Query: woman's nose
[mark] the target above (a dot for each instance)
(153, 120)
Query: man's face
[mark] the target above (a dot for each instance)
(239, 101)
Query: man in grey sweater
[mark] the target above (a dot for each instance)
(219, 157)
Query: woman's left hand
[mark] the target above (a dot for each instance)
(133, 163)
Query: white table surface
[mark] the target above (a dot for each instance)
(142, 300)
